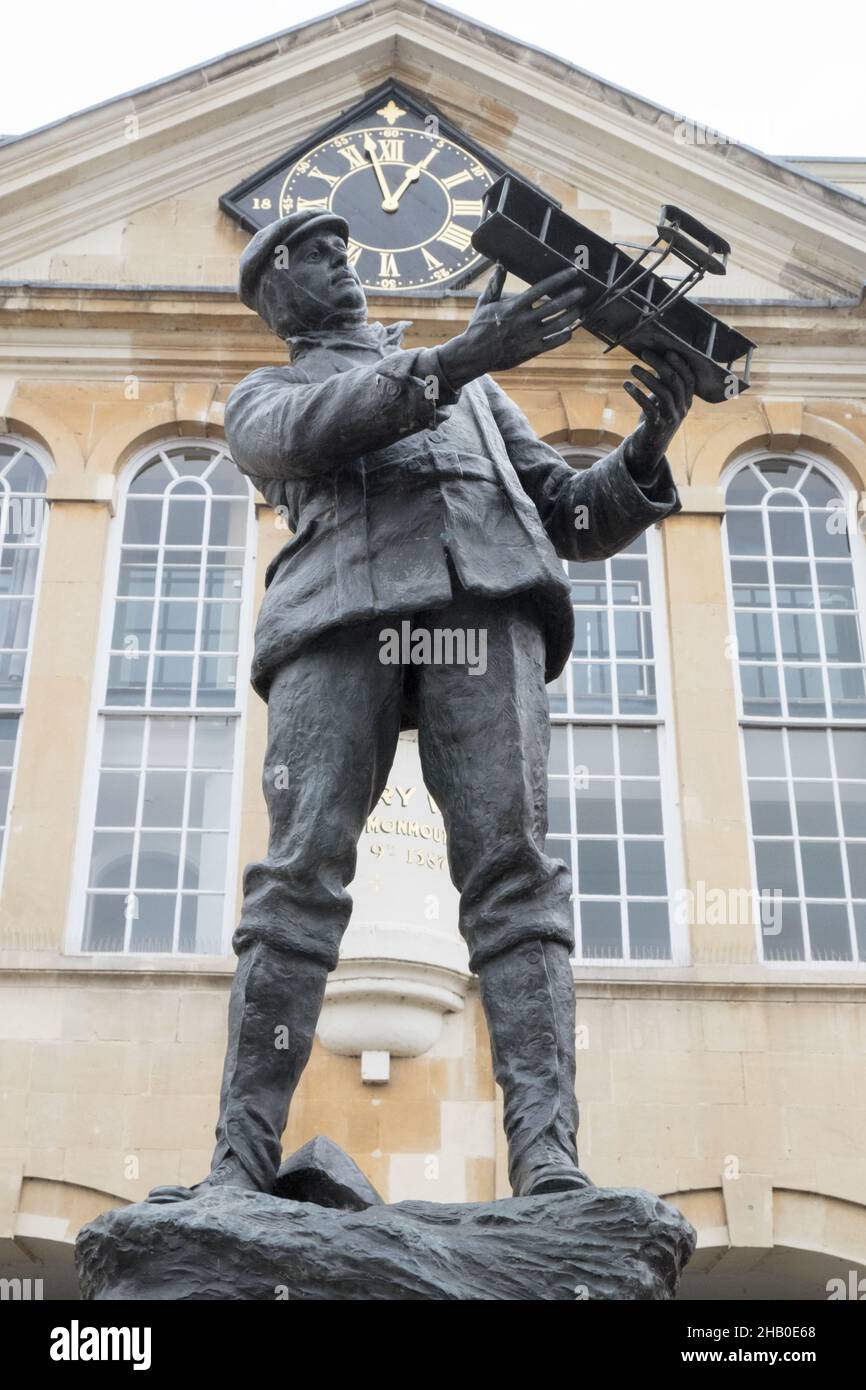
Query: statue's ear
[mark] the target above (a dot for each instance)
(273, 304)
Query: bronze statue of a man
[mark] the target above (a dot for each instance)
(416, 490)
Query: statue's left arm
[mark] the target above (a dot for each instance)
(588, 513)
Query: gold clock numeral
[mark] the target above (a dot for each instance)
(458, 237)
(453, 180)
(353, 252)
(388, 264)
(312, 203)
(467, 207)
(319, 174)
(354, 156)
(430, 261)
(392, 150)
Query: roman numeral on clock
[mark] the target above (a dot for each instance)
(467, 207)
(353, 252)
(430, 261)
(312, 203)
(319, 174)
(387, 264)
(455, 236)
(392, 150)
(354, 156)
(453, 180)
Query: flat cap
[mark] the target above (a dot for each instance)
(258, 252)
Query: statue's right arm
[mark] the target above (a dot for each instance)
(280, 425)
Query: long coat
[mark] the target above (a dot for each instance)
(382, 484)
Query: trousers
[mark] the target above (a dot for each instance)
(335, 711)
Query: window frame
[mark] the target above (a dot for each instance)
(663, 722)
(46, 462)
(100, 712)
(847, 489)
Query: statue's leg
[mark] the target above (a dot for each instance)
(484, 741)
(333, 725)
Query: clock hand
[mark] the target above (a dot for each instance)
(391, 203)
(370, 147)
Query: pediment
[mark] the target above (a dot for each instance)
(128, 192)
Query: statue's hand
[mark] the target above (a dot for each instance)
(664, 409)
(502, 333)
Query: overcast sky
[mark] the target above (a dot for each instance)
(787, 76)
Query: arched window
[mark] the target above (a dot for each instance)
(611, 783)
(160, 817)
(23, 478)
(795, 556)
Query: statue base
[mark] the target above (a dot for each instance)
(596, 1243)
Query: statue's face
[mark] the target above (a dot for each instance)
(324, 287)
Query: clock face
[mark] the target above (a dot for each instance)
(412, 201)
(408, 183)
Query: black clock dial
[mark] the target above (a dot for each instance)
(412, 200)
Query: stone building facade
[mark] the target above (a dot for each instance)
(709, 740)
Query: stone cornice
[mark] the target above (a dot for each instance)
(205, 334)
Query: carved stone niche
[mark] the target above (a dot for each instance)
(403, 965)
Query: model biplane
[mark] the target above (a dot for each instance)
(629, 304)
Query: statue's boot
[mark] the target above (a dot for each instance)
(275, 1001)
(528, 998)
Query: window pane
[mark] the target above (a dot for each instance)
(809, 753)
(822, 869)
(168, 744)
(158, 859)
(645, 868)
(745, 532)
(601, 930)
(593, 749)
(104, 922)
(185, 525)
(760, 686)
(641, 808)
(175, 629)
(122, 743)
(771, 813)
(638, 753)
(172, 680)
(153, 922)
(596, 808)
(214, 742)
(829, 932)
(117, 799)
(777, 872)
(816, 808)
(205, 861)
(750, 583)
(597, 867)
(201, 924)
(649, 931)
(142, 522)
(209, 800)
(765, 752)
(111, 861)
(163, 799)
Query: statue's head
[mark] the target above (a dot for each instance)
(296, 274)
